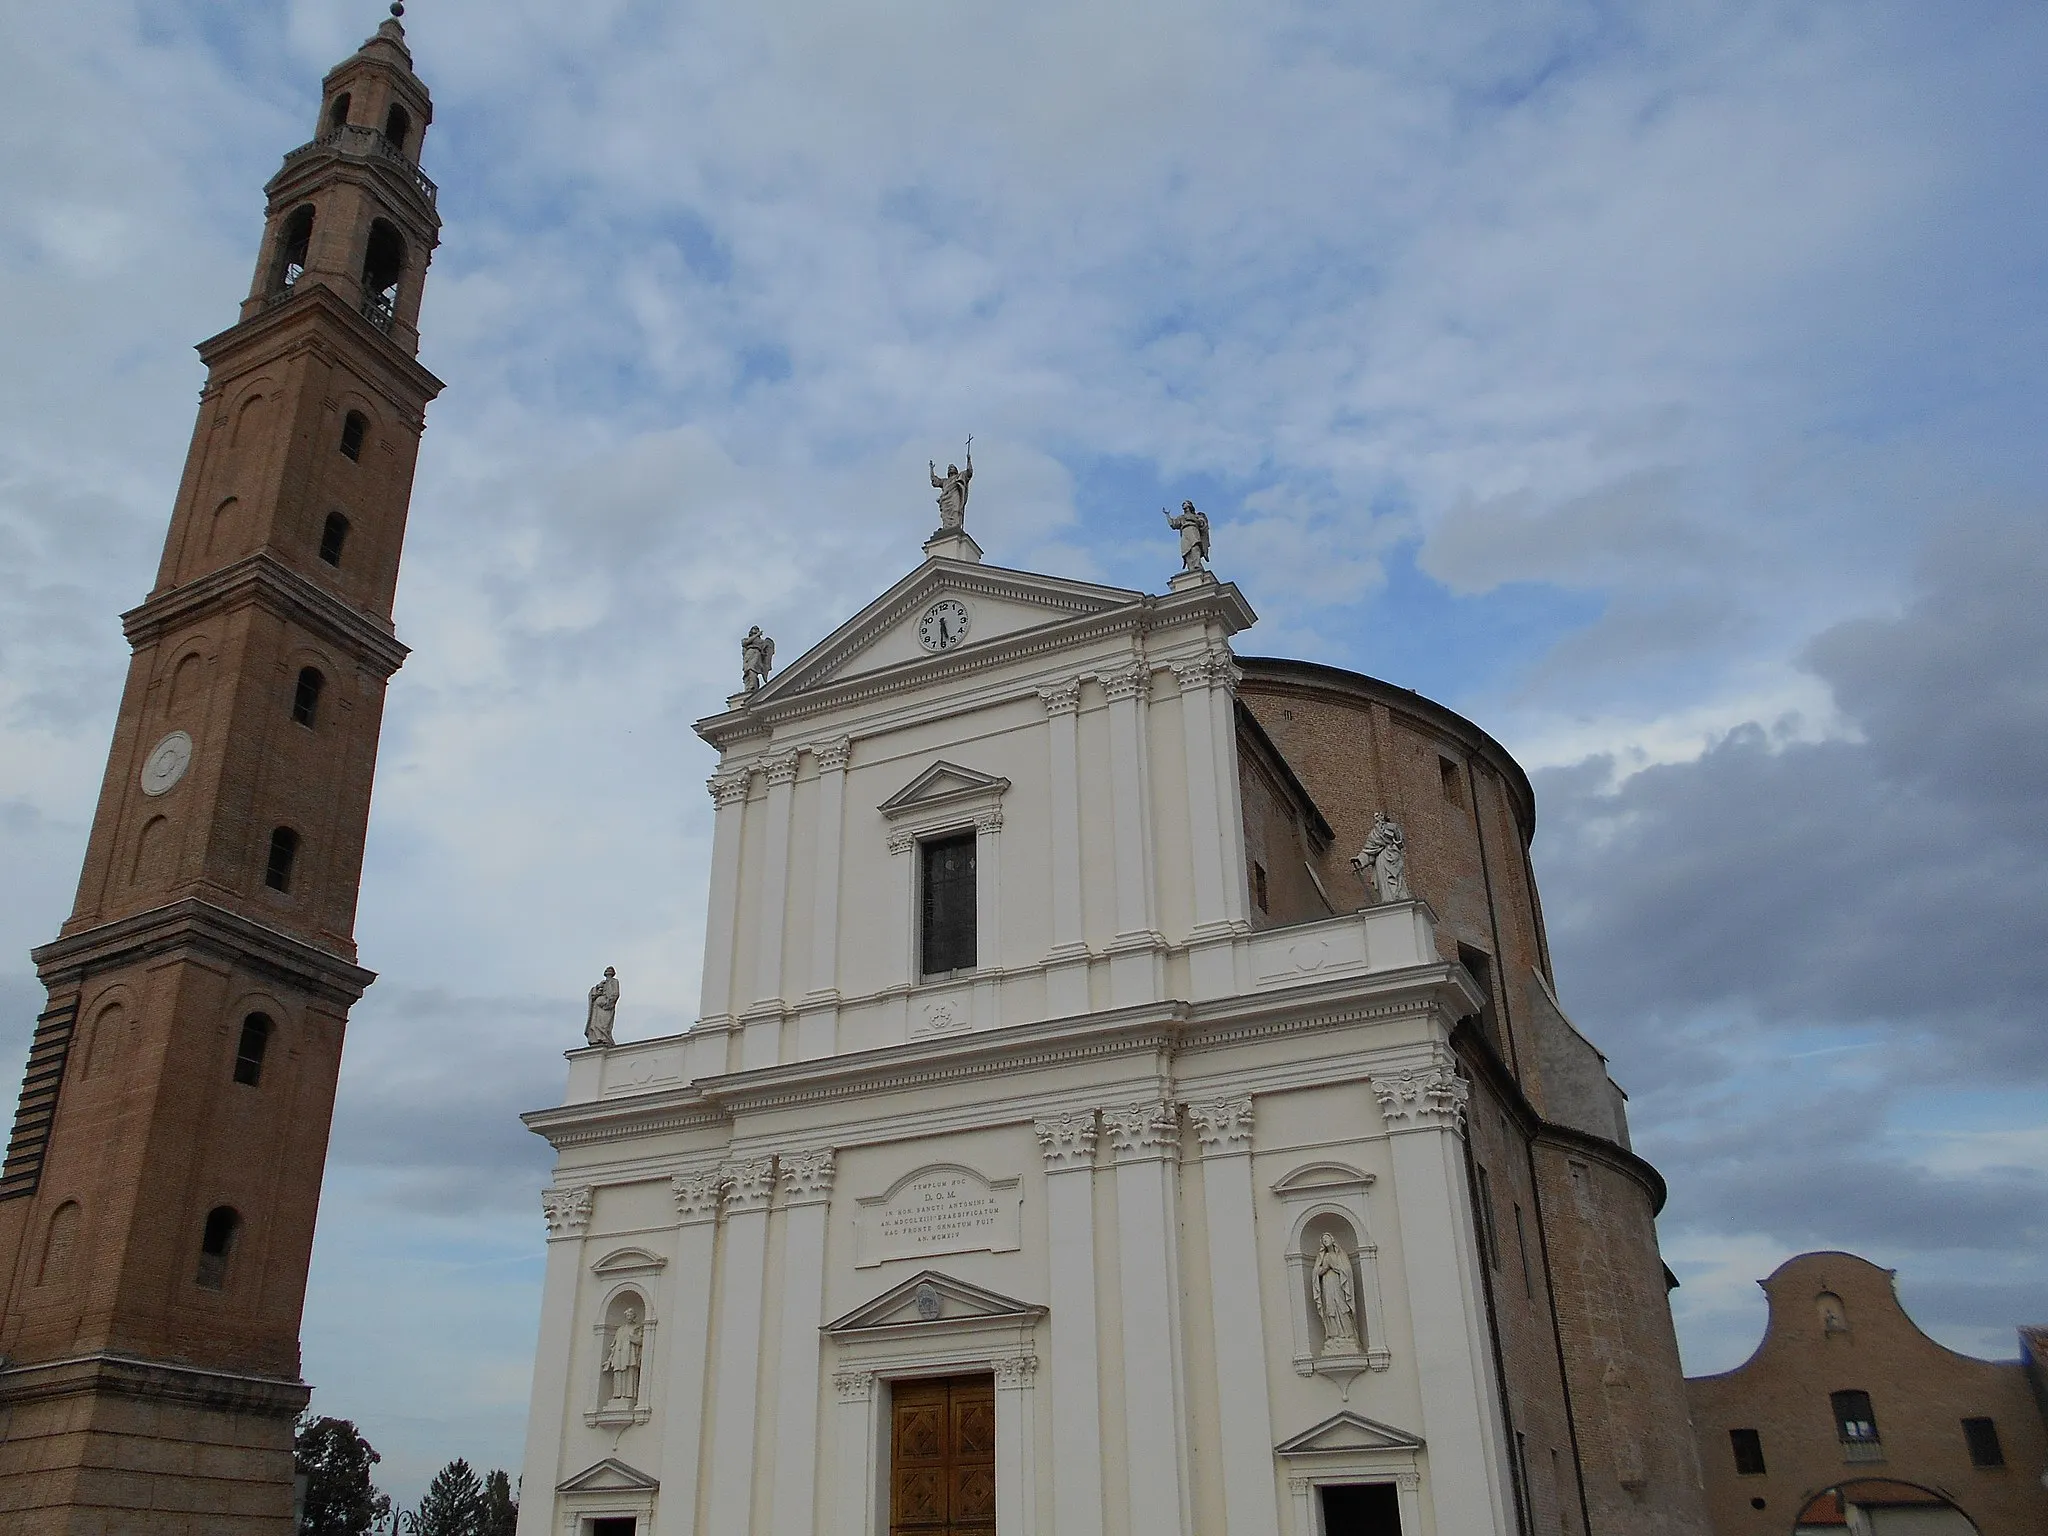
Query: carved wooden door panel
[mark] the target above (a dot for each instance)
(942, 1457)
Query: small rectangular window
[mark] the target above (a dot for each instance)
(1855, 1420)
(1982, 1435)
(1447, 773)
(1748, 1446)
(1522, 1244)
(1480, 964)
(614, 1525)
(948, 938)
(1487, 1236)
(1259, 892)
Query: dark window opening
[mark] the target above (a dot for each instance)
(1982, 1435)
(1748, 1446)
(1361, 1509)
(1855, 1423)
(217, 1246)
(614, 1525)
(284, 848)
(293, 241)
(306, 698)
(383, 264)
(1447, 773)
(337, 115)
(1259, 891)
(1487, 1236)
(1480, 964)
(249, 1054)
(398, 126)
(949, 939)
(354, 428)
(1522, 1246)
(332, 537)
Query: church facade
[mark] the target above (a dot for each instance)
(1072, 1142)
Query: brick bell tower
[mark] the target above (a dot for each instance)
(158, 1195)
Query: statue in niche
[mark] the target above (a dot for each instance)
(1385, 856)
(622, 1359)
(952, 489)
(604, 1002)
(1193, 528)
(757, 660)
(1334, 1302)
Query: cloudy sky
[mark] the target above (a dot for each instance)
(1659, 385)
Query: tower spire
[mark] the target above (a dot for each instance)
(158, 1196)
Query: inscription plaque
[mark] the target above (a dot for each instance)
(943, 1208)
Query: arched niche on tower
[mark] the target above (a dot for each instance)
(622, 1371)
(1328, 1200)
(111, 1018)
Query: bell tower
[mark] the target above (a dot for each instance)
(158, 1195)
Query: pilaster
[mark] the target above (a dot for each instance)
(1136, 972)
(697, 1196)
(832, 758)
(806, 1182)
(729, 795)
(1068, 1142)
(745, 1189)
(1145, 1147)
(1066, 979)
(566, 1209)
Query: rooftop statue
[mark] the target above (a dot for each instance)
(604, 1001)
(952, 489)
(757, 660)
(1193, 527)
(1385, 856)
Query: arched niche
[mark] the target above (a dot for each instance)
(623, 1366)
(1329, 1200)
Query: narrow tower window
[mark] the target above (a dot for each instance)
(337, 115)
(949, 942)
(284, 848)
(398, 127)
(1982, 1437)
(1748, 1446)
(249, 1053)
(1447, 773)
(332, 537)
(306, 700)
(383, 264)
(354, 428)
(293, 241)
(217, 1245)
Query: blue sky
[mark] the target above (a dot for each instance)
(1658, 385)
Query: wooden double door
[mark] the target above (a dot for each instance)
(942, 1457)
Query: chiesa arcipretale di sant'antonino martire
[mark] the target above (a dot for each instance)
(1129, 1093)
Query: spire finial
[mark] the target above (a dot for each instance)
(397, 9)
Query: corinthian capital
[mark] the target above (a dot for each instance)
(1223, 1124)
(748, 1186)
(1061, 698)
(566, 1209)
(1067, 1139)
(806, 1176)
(1423, 1097)
(729, 786)
(1150, 1129)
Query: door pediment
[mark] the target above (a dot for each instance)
(608, 1476)
(1346, 1434)
(931, 1299)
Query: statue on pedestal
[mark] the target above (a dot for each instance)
(757, 660)
(1334, 1303)
(1193, 528)
(622, 1359)
(1385, 856)
(604, 999)
(952, 489)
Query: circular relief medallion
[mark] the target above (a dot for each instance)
(943, 626)
(166, 763)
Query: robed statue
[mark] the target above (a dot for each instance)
(952, 489)
(757, 660)
(1335, 1305)
(622, 1359)
(1383, 862)
(1193, 527)
(604, 1000)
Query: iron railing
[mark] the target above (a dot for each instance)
(367, 143)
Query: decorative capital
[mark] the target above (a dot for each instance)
(902, 841)
(730, 787)
(1061, 698)
(854, 1386)
(990, 820)
(1223, 1125)
(1422, 1098)
(1408, 1482)
(1125, 682)
(781, 768)
(1223, 668)
(696, 1194)
(747, 1186)
(1194, 672)
(1067, 1139)
(832, 755)
(566, 1209)
(1014, 1372)
(1300, 1487)
(806, 1177)
(1144, 1130)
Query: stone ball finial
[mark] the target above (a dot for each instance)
(397, 9)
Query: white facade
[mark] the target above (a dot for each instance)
(1098, 1164)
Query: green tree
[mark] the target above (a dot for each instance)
(455, 1504)
(335, 1460)
(501, 1506)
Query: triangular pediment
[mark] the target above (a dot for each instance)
(934, 1300)
(941, 785)
(608, 1476)
(1346, 1432)
(1001, 606)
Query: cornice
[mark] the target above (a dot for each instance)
(265, 581)
(410, 384)
(213, 930)
(154, 1381)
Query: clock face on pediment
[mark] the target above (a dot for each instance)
(943, 626)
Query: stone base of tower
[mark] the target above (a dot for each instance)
(100, 1445)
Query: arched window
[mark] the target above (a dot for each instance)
(337, 115)
(332, 537)
(284, 848)
(306, 700)
(354, 428)
(293, 241)
(256, 1031)
(217, 1246)
(398, 127)
(383, 264)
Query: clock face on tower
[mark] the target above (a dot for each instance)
(943, 626)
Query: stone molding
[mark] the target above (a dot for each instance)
(1014, 1372)
(270, 1397)
(566, 1209)
(212, 930)
(697, 1194)
(1143, 1131)
(854, 1386)
(1061, 698)
(806, 1177)
(1067, 1139)
(747, 1186)
(730, 786)
(1223, 1125)
(1423, 1098)
(262, 580)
